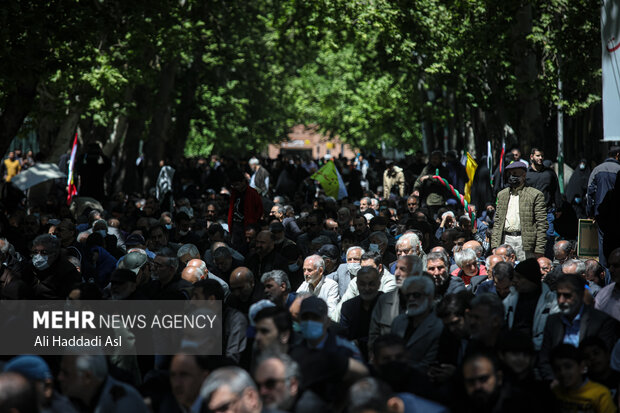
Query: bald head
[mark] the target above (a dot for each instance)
(474, 245)
(242, 283)
(490, 262)
(192, 274)
(17, 394)
(562, 250)
(545, 265)
(439, 249)
(198, 264)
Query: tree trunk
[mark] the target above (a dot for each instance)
(184, 112)
(158, 132)
(16, 107)
(64, 138)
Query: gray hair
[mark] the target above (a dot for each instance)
(318, 261)
(355, 247)
(465, 256)
(278, 276)
(235, 378)
(421, 281)
(93, 364)
(291, 368)
(253, 161)
(435, 255)
(190, 249)
(580, 266)
(5, 245)
(367, 199)
(412, 239)
(374, 201)
(279, 208)
(509, 249)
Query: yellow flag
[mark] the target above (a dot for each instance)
(470, 169)
(328, 177)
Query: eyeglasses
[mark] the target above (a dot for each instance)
(270, 384)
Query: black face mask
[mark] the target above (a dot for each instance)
(514, 181)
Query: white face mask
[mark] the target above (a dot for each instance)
(374, 247)
(40, 262)
(352, 228)
(353, 268)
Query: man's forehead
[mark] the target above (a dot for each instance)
(435, 263)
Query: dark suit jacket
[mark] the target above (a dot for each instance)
(593, 323)
(476, 281)
(423, 345)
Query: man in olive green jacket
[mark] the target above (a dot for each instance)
(521, 217)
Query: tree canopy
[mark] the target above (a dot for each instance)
(192, 77)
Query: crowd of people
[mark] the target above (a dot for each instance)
(389, 299)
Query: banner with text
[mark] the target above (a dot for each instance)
(610, 36)
(111, 327)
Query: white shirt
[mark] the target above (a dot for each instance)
(326, 289)
(513, 220)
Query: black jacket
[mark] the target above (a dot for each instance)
(546, 181)
(593, 323)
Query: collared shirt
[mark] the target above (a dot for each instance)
(513, 221)
(571, 333)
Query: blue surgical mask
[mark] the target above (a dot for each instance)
(374, 247)
(311, 330)
(40, 262)
(168, 226)
(103, 233)
(293, 267)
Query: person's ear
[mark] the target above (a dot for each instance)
(285, 337)
(395, 405)
(294, 386)
(48, 389)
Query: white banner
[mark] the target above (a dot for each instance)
(610, 36)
